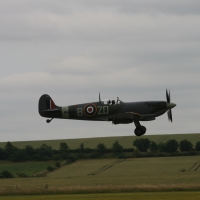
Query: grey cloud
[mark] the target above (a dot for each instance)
(177, 7)
(87, 23)
(74, 50)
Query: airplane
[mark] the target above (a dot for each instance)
(117, 112)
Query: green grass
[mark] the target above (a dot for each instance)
(29, 168)
(125, 141)
(111, 175)
(130, 171)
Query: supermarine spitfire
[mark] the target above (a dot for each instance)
(118, 112)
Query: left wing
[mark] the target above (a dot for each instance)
(129, 117)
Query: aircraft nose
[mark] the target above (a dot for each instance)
(171, 105)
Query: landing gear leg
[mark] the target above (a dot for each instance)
(140, 130)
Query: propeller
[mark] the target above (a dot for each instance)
(168, 96)
(169, 113)
(170, 105)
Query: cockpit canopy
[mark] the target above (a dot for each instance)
(111, 102)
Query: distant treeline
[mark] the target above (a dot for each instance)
(141, 148)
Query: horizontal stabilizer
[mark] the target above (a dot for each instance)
(53, 110)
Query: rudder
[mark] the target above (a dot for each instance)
(47, 107)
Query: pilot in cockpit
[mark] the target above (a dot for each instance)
(109, 102)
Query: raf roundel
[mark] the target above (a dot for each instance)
(90, 110)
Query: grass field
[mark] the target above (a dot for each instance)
(113, 196)
(125, 141)
(29, 168)
(112, 175)
(140, 177)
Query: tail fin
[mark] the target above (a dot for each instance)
(47, 107)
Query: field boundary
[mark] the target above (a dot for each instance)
(125, 141)
(100, 189)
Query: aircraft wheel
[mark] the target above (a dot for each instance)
(140, 131)
(143, 129)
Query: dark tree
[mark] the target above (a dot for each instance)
(10, 149)
(2, 154)
(45, 151)
(6, 174)
(117, 148)
(82, 148)
(30, 151)
(197, 147)
(171, 146)
(142, 144)
(9, 146)
(185, 145)
(64, 150)
(18, 156)
(101, 148)
(63, 146)
(162, 147)
(153, 147)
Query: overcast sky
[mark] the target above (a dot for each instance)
(72, 50)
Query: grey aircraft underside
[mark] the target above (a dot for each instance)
(117, 112)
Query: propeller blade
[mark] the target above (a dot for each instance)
(169, 113)
(168, 96)
(169, 105)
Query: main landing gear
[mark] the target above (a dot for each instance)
(140, 130)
